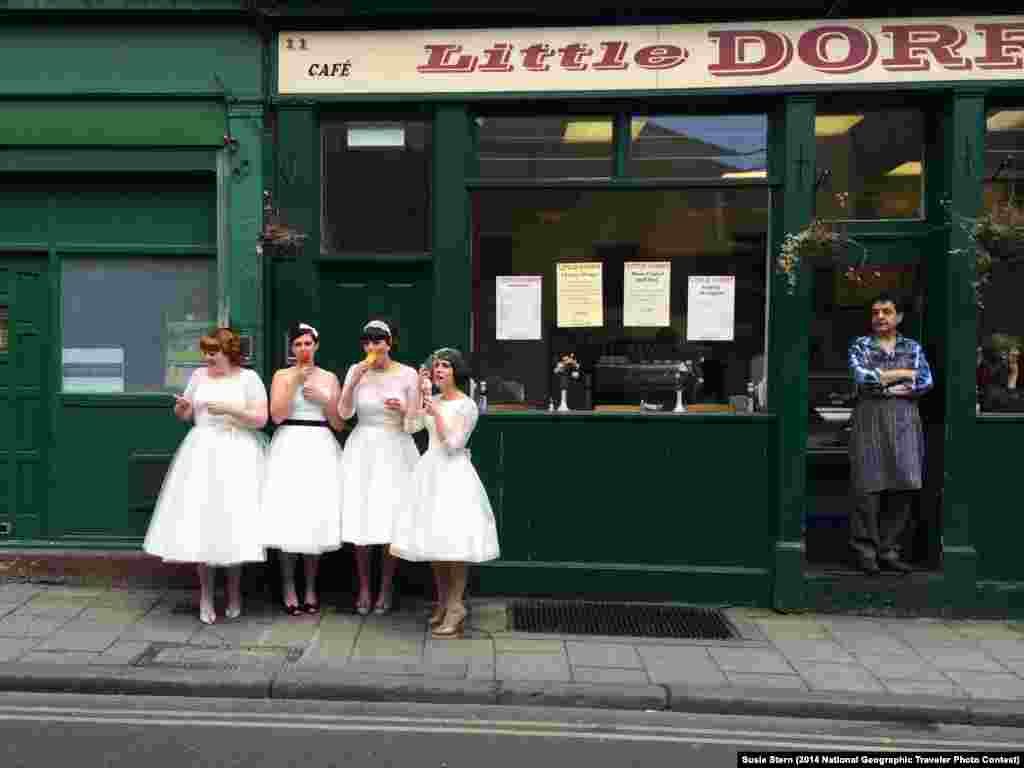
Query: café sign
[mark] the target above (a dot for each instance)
(661, 57)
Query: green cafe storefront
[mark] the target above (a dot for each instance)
(524, 190)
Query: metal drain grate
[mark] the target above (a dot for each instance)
(620, 619)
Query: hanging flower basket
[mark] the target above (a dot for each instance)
(996, 236)
(818, 244)
(275, 232)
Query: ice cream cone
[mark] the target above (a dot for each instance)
(371, 358)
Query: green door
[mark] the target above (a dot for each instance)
(24, 395)
(352, 293)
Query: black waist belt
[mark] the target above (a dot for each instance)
(304, 423)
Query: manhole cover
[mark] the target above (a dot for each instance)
(620, 619)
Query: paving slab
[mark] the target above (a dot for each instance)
(744, 680)
(162, 628)
(1003, 650)
(902, 667)
(924, 687)
(814, 650)
(122, 652)
(986, 630)
(678, 664)
(346, 685)
(963, 659)
(60, 657)
(987, 686)
(28, 625)
(96, 640)
(533, 666)
(839, 677)
(752, 661)
(12, 648)
(622, 656)
(520, 645)
(113, 615)
(609, 675)
(870, 641)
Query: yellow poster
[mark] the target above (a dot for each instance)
(580, 298)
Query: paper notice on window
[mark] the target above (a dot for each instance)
(711, 308)
(580, 298)
(646, 294)
(518, 307)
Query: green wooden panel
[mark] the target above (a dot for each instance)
(659, 491)
(996, 527)
(135, 210)
(24, 389)
(111, 123)
(24, 204)
(101, 160)
(116, 59)
(131, 457)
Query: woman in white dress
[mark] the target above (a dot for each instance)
(450, 521)
(302, 489)
(208, 509)
(379, 455)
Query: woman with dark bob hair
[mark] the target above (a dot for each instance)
(449, 521)
(208, 509)
(379, 455)
(302, 489)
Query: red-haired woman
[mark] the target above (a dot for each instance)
(209, 506)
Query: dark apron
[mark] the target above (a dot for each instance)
(886, 445)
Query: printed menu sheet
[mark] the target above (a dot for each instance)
(518, 307)
(580, 298)
(711, 308)
(646, 295)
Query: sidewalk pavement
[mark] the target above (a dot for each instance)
(90, 640)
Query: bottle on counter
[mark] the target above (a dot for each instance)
(751, 397)
(482, 400)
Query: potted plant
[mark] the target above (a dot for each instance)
(997, 235)
(817, 243)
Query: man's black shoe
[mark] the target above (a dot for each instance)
(895, 564)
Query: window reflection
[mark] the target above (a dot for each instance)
(376, 187)
(874, 164)
(544, 147)
(1000, 325)
(4, 329)
(706, 147)
(697, 232)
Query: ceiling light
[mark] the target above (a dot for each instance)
(588, 131)
(835, 125)
(760, 174)
(1006, 120)
(909, 168)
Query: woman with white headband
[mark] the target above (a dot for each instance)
(379, 456)
(302, 489)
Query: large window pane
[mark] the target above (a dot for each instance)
(626, 356)
(133, 325)
(544, 147)
(706, 147)
(1000, 324)
(874, 161)
(376, 187)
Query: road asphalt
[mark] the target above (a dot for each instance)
(132, 641)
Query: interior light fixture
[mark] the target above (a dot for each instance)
(835, 125)
(1006, 120)
(756, 174)
(909, 168)
(597, 131)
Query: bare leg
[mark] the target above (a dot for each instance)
(207, 614)
(363, 574)
(234, 609)
(440, 591)
(288, 579)
(455, 613)
(311, 564)
(388, 565)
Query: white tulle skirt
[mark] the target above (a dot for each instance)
(209, 506)
(450, 518)
(302, 491)
(376, 471)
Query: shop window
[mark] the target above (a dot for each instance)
(1000, 326)
(577, 147)
(633, 283)
(133, 324)
(5, 329)
(376, 187)
(841, 313)
(699, 147)
(870, 164)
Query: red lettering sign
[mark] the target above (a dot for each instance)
(913, 43)
(660, 56)
(439, 59)
(812, 48)
(1004, 46)
(776, 52)
(497, 58)
(613, 56)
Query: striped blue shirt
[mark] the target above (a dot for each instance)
(867, 359)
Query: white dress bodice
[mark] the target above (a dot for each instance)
(377, 386)
(236, 389)
(304, 409)
(460, 417)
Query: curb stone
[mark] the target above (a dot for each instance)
(589, 695)
(345, 685)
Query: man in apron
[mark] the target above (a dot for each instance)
(887, 441)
